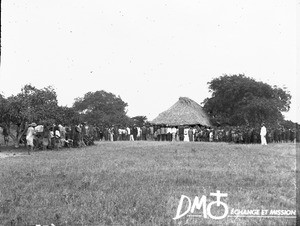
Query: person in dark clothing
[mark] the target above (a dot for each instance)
(181, 133)
(135, 132)
(158, 134)
(144, 132)
(190, 133)
(46, 136)
(76, 136)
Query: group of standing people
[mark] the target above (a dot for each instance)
(235, 134)
(56, 136)
(120, 133)
(248, 135)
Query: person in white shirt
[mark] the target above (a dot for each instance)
(263, 133)
(186, 134)
(30, 136)
(174, 133)
(39, 129)
(139, 133)
(120, 131)
(211, 135)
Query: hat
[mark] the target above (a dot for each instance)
(33, 124)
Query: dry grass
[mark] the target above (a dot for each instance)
(140, 183)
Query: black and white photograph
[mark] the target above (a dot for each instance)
(159, 113)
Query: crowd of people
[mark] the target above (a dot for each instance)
(56, 136)
(238, 134)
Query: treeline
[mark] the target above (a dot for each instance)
(236, 100)
(41, 107)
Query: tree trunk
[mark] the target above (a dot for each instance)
(19, 133)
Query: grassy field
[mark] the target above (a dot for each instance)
(140, 183)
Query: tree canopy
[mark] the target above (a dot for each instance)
(41, 106)
(240, 100)
(32, 105)
(139, 120)
(102, 108)
(235, 100)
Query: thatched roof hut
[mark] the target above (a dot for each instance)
(184, 112)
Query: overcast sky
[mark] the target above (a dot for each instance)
(148, 52)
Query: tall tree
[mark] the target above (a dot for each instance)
(240, 100)
(102, 108)
(30, 105)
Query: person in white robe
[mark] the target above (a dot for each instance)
(30, 136)
(263, 133)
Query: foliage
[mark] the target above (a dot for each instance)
(30, 105)
(33, 105)
(240, 100)
(67, 116)
(139, 120)
(102, 108)
(288, 124)
(3, 110)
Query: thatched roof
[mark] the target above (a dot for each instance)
(184, 112)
